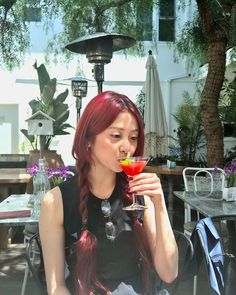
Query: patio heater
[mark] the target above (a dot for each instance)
(79, 87)
(99, 48)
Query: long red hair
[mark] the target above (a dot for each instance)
(98, 115)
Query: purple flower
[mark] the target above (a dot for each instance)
(58, 175)
(59, 172)
(230, 168)
(33, 170)
(230, 173)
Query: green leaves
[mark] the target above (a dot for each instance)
(31, 138)
(227, 104)
(43, 76)
(50, 105)
(49, 91)
(62, 97)
(14, 34)
(189, 135)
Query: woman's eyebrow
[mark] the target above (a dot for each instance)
(121, 129)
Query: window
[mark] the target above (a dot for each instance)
(164, 19)
(167, 20)
(228, 130)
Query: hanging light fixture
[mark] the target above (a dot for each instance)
(99, 48)
(79, 87)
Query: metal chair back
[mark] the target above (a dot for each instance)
(203, 182)
(203, 179)
(185, 248)
(37, 266)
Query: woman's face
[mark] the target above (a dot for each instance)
(115, 142)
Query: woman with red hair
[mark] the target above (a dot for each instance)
(83, 228)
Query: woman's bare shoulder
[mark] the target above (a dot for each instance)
(52, 206)
(52, 197)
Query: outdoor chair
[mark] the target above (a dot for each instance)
(214, 241)
(185, 248)
(35, 266)
(202, 182)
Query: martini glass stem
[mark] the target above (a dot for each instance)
(133, 166)
(134, 199)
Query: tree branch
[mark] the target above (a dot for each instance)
(114, 3)
(7, 4)
(100, 9)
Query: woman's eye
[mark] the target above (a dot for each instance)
(116, 136)
(134, 138)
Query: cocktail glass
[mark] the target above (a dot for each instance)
(133, 166)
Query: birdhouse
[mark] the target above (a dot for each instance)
(40, 124)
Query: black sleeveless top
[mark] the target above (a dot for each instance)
(118, 260)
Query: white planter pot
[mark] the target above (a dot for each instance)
(229, 194)
(171, 164)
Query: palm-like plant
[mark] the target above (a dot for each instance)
(189, 137)
(50, 105)
(227, 109)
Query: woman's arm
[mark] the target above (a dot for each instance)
(52, 238)
(157, 225)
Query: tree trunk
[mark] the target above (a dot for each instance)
(216, 29)
(209, 104)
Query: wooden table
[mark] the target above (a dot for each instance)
(164, 170)
(11, 180)
(169, 173)
(14, 175)
(10, 177)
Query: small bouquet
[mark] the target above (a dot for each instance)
(55, 175)
(230, 173)
(58, 175)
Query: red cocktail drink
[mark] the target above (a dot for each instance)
(133, 166)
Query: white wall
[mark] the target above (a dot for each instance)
(9, 125)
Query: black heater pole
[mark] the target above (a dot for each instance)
(99, 75)
(78, 104)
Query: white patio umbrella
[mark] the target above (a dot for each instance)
(156, 130)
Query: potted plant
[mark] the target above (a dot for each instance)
(51, 104)
(172, 157)
(189, 135)
(229, 172)
(229, 192)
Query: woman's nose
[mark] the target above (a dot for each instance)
(125, 147)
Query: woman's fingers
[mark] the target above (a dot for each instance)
(145, 183)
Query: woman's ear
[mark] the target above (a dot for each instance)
(89, 146)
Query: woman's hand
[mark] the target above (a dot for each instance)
(147, 184)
